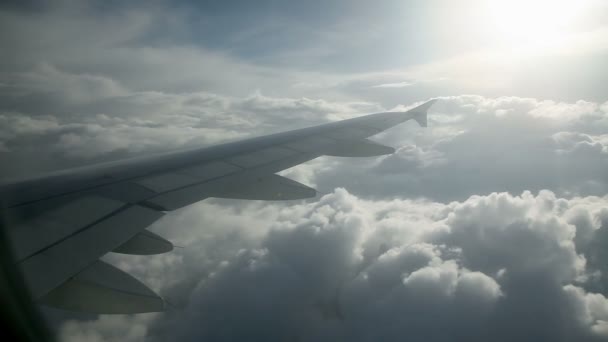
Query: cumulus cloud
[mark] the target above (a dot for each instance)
(493, 267)
(580, 143)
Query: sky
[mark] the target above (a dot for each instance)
(490, 224)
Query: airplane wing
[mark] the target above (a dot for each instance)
(60, 224)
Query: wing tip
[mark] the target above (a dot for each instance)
(420, 112)
(421, 119)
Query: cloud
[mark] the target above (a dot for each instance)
(89, 118)
(153, 47)
(52, 83)
(454, 237)
(394, 85)
(349, 268)
(185, 48)
(108, 328)
(436, 262)
(579, 143)
(476, 145)
(439, 265)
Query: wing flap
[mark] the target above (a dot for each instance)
(103, 288)
(167, 181)
(222, 186)
(259, 157)
(41, 224)
(352, 133)
(127, 192)
(310, 144)
(359, 148)
(49, 268)
(268, 188)
(145, 243)
(207, 171)
(252, 187)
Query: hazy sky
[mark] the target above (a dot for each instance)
(490, 224)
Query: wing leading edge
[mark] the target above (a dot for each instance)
(60, 224)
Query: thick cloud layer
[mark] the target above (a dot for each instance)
(495, 267)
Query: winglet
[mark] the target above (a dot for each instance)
(419, 113)
(421, 119)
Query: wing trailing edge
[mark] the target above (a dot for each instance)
(359, 148)
(145, 243)
(103, 288)
(268, 188)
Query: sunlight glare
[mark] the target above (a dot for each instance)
(528, 22)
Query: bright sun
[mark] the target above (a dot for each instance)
(528, 22)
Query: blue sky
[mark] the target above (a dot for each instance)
(333, 47)
(357, 36)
